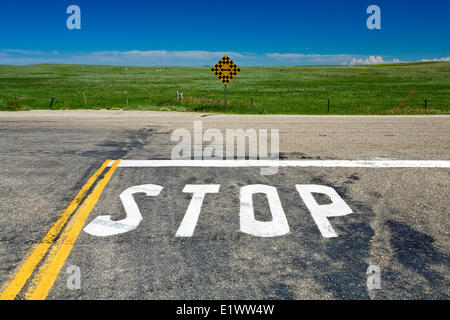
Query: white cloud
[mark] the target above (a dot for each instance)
(171, 58)
(159, 57)
(188, 58)
(132, 57)
(436, 59)
(21, 52)
(195, 54)
(330, 59)
(370, 60)
(308, 59)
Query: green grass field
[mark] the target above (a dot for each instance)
(375, 89)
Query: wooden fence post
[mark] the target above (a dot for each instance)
(85, 100)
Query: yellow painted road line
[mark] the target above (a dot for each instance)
(12, 288)
(48, 272)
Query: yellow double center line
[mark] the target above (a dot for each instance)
(48, 272)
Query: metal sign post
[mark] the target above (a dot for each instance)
(225, 96)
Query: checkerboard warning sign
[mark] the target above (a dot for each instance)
(225, 69)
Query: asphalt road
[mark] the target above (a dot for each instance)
(400, 219)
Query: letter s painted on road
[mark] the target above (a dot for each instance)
(103, 226)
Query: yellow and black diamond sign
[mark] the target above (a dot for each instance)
(225, 69)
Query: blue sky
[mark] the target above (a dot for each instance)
(199, 32)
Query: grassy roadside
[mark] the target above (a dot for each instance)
(377, 89)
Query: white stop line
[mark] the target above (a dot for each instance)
(285, 163)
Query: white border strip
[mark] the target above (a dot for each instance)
(285, 163)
